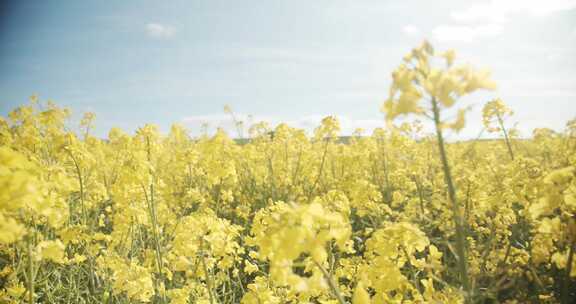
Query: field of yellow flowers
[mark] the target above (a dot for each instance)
(396, 217)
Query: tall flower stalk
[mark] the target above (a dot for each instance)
(457, 215)
(417, 79)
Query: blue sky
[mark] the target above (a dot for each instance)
(137, 62)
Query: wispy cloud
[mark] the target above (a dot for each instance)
(466, 33)
(160, 31)
(500, 10)
(411, 30)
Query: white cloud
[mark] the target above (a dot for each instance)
(410, 30)
(500, 10)
(466, 33)
(560, 55)
(308, 123)
(541, 88)
(160, 31)
(553, 57)
(347, 124)
(487, 19)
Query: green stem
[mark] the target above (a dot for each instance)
(331, 284)
(323, 161)
(565, 294)
(457, 217)
(208, 279)
(30, 273)
(506, 138)
(84, 220)
(420, 195)
(154, 220)
(81, 184)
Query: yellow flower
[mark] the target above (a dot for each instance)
(450, 55)
(10, 230)
(249, 267)
(360, 296)
(16, 291)
(52, 251)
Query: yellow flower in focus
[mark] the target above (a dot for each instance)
(249, 267)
